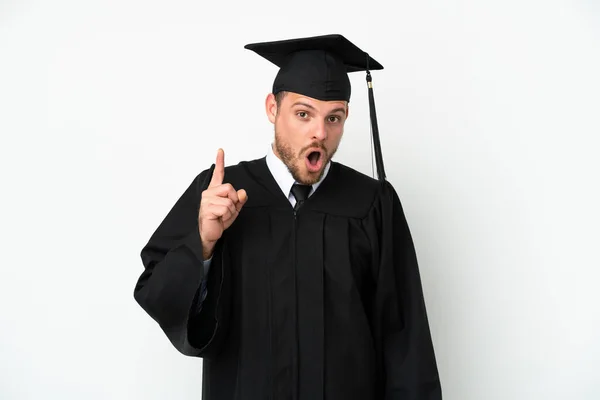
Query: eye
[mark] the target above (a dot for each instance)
(333, 118)
(302, 114)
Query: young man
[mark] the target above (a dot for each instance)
(292, 275)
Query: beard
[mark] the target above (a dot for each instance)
(295, 162)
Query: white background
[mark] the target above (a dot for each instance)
(489, 116)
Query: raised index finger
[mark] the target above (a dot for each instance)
(219, 172)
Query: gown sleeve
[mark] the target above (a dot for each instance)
(169, 288)
(407, 362)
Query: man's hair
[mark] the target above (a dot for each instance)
(279, 97)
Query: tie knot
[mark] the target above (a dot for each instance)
(300, 192)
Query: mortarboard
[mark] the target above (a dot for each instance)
(318, 67)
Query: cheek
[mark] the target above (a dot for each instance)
(288, 131)
(335, 134)
(295, 130)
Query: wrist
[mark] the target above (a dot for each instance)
(207, 249)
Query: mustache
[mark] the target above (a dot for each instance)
(313, 145)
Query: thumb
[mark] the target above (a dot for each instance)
(242, 197)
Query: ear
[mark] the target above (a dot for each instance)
(347, 110)
(271, 107)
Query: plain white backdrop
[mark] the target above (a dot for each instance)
(489, 117)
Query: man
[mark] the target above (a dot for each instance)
(292, 275)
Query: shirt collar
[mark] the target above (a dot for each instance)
(282, 175)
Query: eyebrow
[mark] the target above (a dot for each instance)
(340, 109)
(300, 103)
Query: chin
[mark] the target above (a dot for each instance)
(308, 177)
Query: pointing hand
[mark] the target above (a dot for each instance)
(219, 207)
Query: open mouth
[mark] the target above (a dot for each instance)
(314, 160)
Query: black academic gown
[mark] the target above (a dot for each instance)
(325, 303)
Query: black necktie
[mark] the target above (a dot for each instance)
(300, 192)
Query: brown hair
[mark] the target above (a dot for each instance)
(279, 97)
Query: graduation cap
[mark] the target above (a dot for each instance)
(318, 67)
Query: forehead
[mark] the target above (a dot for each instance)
(295, 99)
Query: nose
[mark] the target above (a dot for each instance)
(320, 131)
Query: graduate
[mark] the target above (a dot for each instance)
(294, 276)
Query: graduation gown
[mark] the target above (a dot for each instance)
(322, 303)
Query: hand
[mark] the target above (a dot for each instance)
(219, 207)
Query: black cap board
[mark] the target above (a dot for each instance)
(318, 67)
